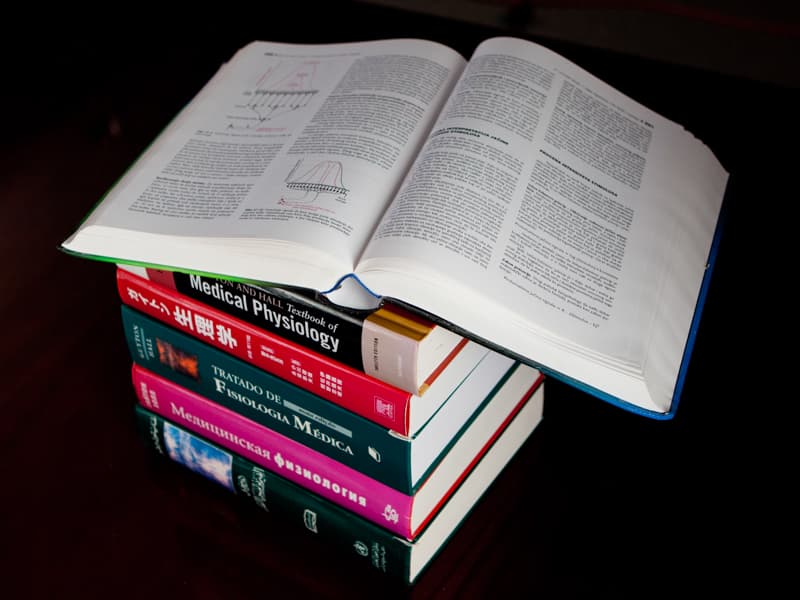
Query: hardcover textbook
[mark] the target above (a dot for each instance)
(403, 514)
(388, 342)
(513, 197)
(393, 408)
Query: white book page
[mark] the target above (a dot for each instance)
(544, 190)
(297, 144)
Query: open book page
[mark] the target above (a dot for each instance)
(286, 144)
(544, 190)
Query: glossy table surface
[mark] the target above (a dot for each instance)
(599, 502)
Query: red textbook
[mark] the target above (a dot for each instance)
(376, 400)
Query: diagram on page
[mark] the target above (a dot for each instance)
(307, 185)
(284, 87)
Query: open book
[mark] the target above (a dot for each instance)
(513, 196)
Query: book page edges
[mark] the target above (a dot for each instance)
(701, 301)
(473, 444)
(466, 497)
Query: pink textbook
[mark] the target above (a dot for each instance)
(400, 513)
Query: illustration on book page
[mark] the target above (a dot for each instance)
(325, 177)
(282, 88)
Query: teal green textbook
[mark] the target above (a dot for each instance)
(400, 462)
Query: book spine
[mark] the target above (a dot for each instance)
(270, 401)
(312, 470)
(365, 395)
(343, 529)
(291, 314)
(348, 336)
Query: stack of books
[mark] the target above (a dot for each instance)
(374, 429)
(536, 217)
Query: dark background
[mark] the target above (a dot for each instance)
(599, 503)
